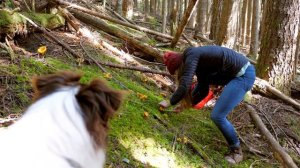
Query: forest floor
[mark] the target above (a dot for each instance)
(139, 135)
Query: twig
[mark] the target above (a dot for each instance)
(292, 111)
(27, 6)
(252, 164)
(191, 143)
(270, 124)
(284, 158)
(97, 63)
(188, 40)
(135, 68)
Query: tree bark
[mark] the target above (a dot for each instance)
(216, 18)
(192, 20)
(249, 19)
(279, 152)
(183, 23)
(278, 44)
(243, 24)
(127, 8)
(98, 23)
(118, 6)
(201, 17)
(165, 13)
(173, 17)
(255, 30)
(153, 7)
(264, 87)
(147, 9)
(223, 33)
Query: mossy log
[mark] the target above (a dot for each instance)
(49, 21)
(100, 24)
(12, 23)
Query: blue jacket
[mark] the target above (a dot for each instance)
(212, 65)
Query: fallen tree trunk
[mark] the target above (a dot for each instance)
(98, 23)
(279, 152)
(98, 14)
(264, 87)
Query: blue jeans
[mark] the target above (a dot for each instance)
(233, 93)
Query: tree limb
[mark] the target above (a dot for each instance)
(279, 152)
(264, 87)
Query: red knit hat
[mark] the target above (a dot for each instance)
(172, 60)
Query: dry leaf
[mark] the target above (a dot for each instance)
(146, 114)
(107, 75)
(141, 96)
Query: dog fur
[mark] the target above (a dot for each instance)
(66, 126)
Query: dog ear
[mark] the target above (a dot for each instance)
(45, 85)
(98, 103)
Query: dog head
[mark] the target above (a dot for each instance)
(98, 102)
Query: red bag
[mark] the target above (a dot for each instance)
(201, 104)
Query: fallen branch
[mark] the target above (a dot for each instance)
(119, 16)
(279, 152)
(99, 15)
(49, 34)
(188, 40)
(102, 69)
(98, 23)
(136, 69)
(264, 87)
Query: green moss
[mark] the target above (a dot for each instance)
(50, 21)
(142, 140)
(6, 18)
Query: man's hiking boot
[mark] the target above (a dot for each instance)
(235, 155)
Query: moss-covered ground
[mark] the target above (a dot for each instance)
(135, 139)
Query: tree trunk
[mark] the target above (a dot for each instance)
(208, 15)
(180, 7)
(184, 21)
(165, 13)
(98, 23)
(255, 30)
(225, 29)
(136, 4)
(192, 21)
(118, 6)
(201, 17)
(147, 8)
(216, 19)
(278, 43)
(297, 52)
(127, 8)
(153, 7)
(249, 19)
(173, 17)
(243, 24)
(104, 4)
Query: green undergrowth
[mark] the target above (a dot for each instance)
(137, 138)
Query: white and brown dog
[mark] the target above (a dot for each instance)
(66, 127)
